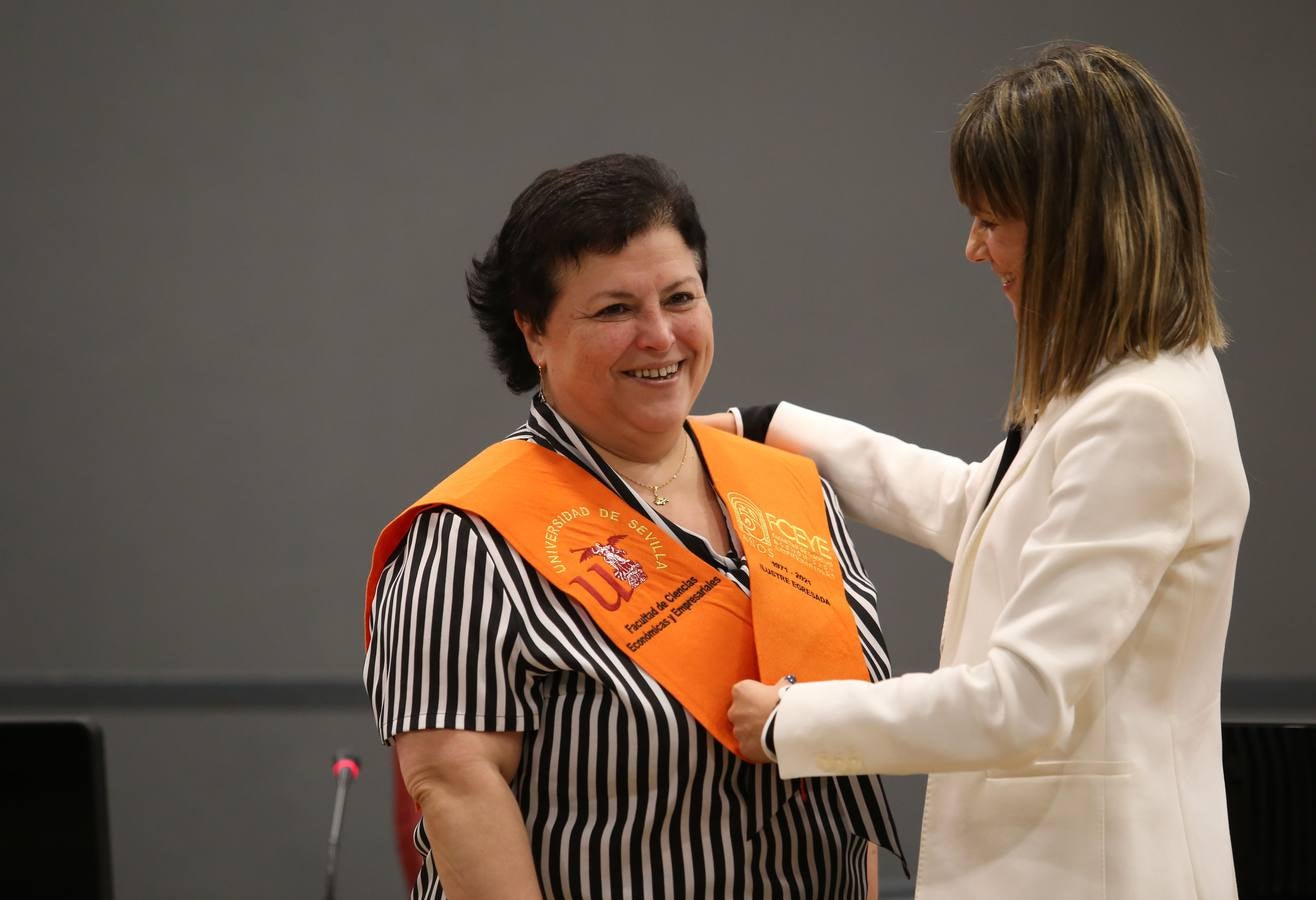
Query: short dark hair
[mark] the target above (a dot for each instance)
(595, 206)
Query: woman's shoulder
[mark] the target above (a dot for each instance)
(1184, 384)
(1174, 370)
(458, 550)
(1175, 408)
(443, 532)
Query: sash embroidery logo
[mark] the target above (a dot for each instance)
(772, 535)
(625, 577)
(753, 524)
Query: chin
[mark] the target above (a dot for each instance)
(660, 422)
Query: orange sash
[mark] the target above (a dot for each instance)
(676, 616)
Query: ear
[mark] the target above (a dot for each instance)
(534, 338)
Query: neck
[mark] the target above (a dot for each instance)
(640, 460)
(663, 479)
(634, 451)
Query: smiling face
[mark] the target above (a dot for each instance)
(627, 343)
(1001, 243)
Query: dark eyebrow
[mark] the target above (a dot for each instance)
(610, 295)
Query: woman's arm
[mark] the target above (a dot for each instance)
(461, 780)
(919, 495)
(458, 729)
(1118, 512)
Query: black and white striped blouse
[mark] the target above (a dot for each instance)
(624, 793)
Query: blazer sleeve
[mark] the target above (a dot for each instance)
(1118, 512)
(918, 495)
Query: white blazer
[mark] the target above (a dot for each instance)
(1073, 727)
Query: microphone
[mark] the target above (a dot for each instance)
(346, 768)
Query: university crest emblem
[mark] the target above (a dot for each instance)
(623, 567)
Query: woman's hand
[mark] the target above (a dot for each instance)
(722, 421)
(751, 704)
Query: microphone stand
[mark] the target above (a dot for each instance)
(346, 768)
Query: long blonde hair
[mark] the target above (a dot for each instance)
(1086, 148)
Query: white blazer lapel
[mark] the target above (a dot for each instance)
(966, 553)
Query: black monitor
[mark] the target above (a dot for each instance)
(54, 819)
(1270, 785)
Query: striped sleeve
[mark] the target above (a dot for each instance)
(446, 637)
(859, 589)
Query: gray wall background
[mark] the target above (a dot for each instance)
(235, 339)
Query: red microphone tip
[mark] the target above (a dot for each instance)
(347, 764)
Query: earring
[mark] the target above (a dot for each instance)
(543, 393)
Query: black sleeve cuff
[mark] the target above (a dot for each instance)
(769, 739)
(756, 420)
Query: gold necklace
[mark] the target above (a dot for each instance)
(659, 499)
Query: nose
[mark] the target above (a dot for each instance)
(655, 328)
(975, 249)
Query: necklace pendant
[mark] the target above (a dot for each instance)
(659, 499)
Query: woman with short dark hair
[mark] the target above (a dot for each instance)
(1073, 727)
(553, 631)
